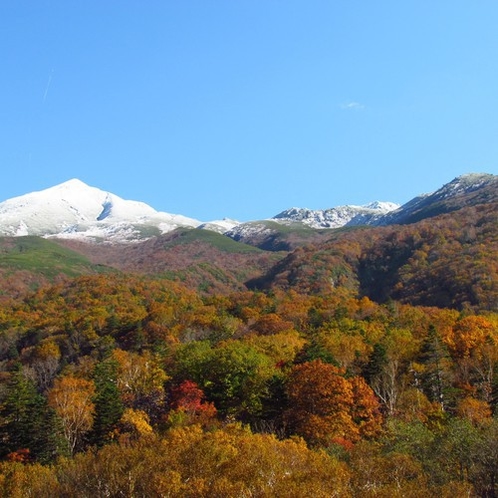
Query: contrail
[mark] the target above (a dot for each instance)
(48, 85)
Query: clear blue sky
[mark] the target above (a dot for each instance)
(243, 108)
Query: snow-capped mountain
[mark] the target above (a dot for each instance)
(76, 210)
(469, 189)
(339, 216)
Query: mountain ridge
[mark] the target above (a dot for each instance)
(75, 210)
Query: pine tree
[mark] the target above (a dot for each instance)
(108, 404)
(433, 356)
(27, 423)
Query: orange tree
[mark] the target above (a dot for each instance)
(324, 406)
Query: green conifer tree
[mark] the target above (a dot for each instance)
(108, 404)
(26, 421)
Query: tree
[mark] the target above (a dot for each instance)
(27, 423)
(107, 400)
(233, 375)
(189, 406)
(474, 410)
(387, 365)
(140, 380)
(44, 364)
(325, 406)
(434, 368)
(282, 348)
(365, 410)
(135, 423)
(72, 400)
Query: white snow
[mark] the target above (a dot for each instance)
(220, 226)
(337, 217)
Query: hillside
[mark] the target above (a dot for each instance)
(466, 190)
(28, 262)
(201, 259)
(448, 261)
(445, 260)
(75, 211)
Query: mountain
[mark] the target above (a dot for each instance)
(272, 235)
(219, 226)
(448, 261)
(29, 262)
(339, 216)
(76, 210)
(466, 190)
(297, 226)
(291, 228)
(203, 260)
(449, 258)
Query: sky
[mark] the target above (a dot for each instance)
(245, 108)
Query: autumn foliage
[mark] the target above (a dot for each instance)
(121, 385)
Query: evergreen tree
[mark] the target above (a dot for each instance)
(376, 362)
(433, 356)
(26, 421)
(108, 404)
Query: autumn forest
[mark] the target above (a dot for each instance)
(363, 363)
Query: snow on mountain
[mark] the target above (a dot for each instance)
(337, 217)
(220, 226)
(457, 193)
(76, 210)
(465, 184)
(249, 229)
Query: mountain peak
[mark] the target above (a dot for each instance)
(71, 185)
(73, 182)
(468, 189)
(73, 209)
(469, 181)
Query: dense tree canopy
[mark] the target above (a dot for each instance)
(141, 387)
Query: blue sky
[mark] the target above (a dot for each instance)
(243, 108)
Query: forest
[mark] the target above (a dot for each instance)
(121, 385)
(361, 364)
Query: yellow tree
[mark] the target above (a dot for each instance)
(71, 398)
(140, 380)
(473, 343)
(282, 347)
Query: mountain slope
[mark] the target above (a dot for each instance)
(465, 190)
(28, 262)
(448, 261)
(339, 216)
(74, 210)
(202, 259)
(273, 236)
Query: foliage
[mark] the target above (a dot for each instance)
(390, 399)
(324, 405)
